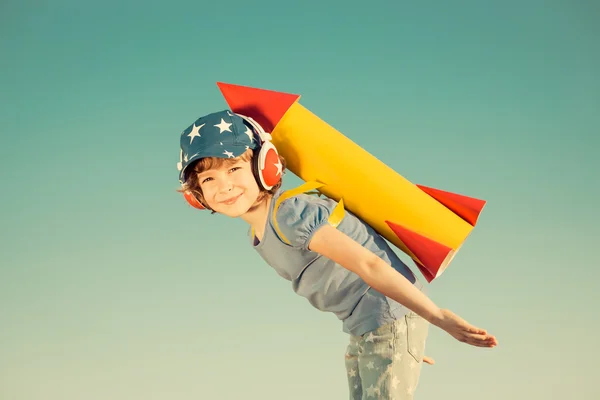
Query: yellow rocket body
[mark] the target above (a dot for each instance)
(369, 188)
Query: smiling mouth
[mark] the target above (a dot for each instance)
(231, 200)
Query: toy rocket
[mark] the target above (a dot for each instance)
(428, 224)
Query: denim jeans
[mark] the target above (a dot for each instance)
(386, 362)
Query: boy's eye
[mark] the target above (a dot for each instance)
(205, 180)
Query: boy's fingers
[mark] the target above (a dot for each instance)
(481, 341)
(484, 342)
(428, 360)
(480, 344)
(478, 337)
(481, 337)
(474, 329)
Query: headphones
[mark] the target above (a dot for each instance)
(266, 165)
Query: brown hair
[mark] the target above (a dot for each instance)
(192, 183)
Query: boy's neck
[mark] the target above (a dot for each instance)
(257, 216)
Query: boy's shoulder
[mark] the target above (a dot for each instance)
(301, 201)
(295, 217)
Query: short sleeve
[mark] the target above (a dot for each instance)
(299, 217)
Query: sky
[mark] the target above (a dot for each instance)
(112, 287)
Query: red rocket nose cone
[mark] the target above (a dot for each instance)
(266, 107)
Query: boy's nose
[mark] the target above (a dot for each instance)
(226, 186)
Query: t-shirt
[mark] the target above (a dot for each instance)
(328, 286)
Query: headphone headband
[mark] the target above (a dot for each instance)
(264, 136)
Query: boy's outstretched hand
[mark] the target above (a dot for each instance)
(464, 332)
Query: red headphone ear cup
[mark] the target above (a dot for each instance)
(192, 200)
(269, 166)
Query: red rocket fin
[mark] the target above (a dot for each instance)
(266, 107)
(468, 208)
(431, 256)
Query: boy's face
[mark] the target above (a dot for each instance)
(230, 189)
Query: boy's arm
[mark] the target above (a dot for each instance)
(340, 248)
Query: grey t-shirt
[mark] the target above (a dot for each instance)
(328, 286)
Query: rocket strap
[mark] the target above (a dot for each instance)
(336, 216)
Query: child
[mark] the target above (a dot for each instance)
(335, 260)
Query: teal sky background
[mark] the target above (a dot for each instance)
(111, 287)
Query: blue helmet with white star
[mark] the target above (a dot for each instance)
(222, 134)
